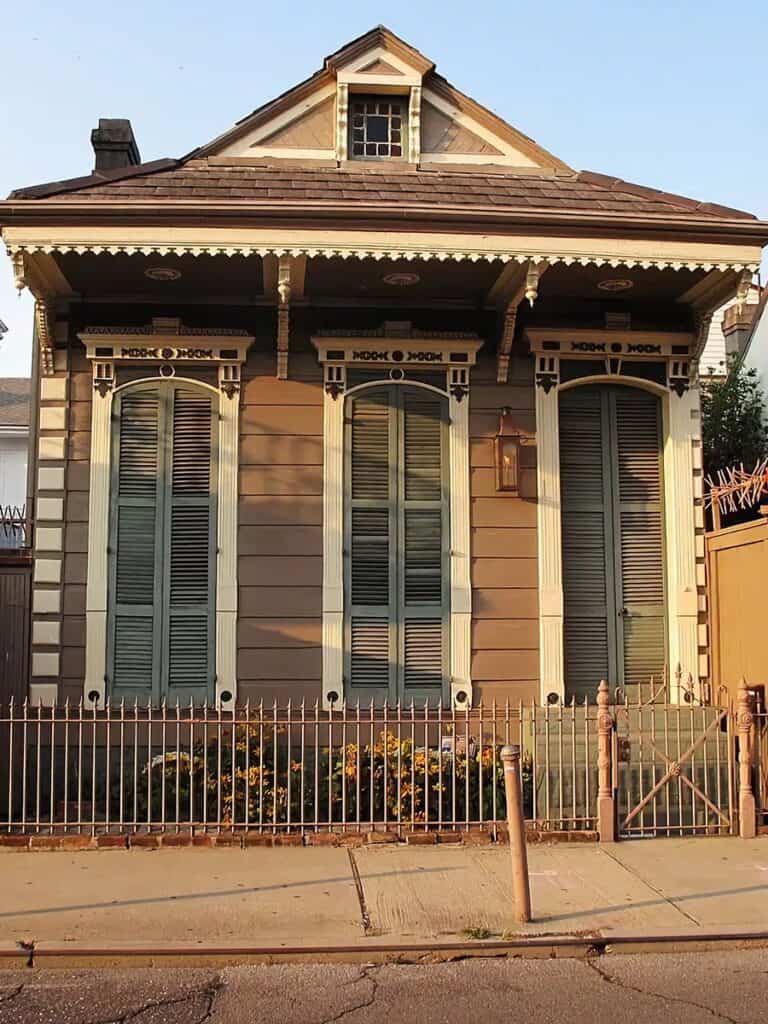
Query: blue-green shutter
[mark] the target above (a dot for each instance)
(163, 544)
(397, 580)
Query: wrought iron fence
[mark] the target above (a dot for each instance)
(128, 768)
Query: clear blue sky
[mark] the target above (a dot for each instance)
(668, 94)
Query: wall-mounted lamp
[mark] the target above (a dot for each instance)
(506, 446)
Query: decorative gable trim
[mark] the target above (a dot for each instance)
(379, 67)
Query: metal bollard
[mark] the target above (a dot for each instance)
(513, 787)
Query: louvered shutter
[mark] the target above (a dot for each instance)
(134, 572)
(162, 564)
(397, 577)
(190, 546)
(640, 515)
(371, 540)
(587, 542)
(424, 577)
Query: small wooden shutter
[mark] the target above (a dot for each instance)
(371, 540)
(397, 578)
(640, 515)
(424, 575)
(190, 525)
(135, 577)
(587, 573)
(162, 566)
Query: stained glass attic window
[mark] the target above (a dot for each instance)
(377, 127)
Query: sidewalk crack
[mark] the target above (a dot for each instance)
(366, 974)
(652, 887)
(611, 979)
(365, 917)
(6, 997)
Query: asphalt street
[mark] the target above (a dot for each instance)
(686, 988)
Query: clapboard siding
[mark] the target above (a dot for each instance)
(504, 568)
(280, 536)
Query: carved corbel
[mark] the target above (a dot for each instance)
(229, 379)
(103, 377)
(515, 283)
(45, 325)
(505, 344)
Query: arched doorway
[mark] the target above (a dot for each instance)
(611, 478)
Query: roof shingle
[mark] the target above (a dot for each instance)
(206, 181)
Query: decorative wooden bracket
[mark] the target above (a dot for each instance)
(45, 324)
(516, 282)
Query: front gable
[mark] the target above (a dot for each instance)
(315, 121)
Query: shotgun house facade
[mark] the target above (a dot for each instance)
(371, 397)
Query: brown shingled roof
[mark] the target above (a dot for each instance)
(202, 180)
(14, 401)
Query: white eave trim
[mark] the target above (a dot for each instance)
(378, 245)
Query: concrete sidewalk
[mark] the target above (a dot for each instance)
(331, 897)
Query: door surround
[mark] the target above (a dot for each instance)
(681, 433)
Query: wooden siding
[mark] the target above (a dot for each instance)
(505, 628)
(281, 529)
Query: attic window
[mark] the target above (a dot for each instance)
(377, 127)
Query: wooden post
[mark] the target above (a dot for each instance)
(513, 788)
(745, 720)
(606, 810)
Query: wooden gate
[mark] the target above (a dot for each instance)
(674, 770)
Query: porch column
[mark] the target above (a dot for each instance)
(682, 429)
(98, 533)
(333, 536)
(461, 586)
(551, 637)
(226, 560)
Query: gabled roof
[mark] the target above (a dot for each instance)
(212, 180)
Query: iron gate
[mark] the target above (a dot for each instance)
(674, 770)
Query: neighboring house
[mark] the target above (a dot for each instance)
(756, 345)
(371, 397)
(14, 442)
(726, 334)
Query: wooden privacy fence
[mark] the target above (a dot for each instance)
(641, 768)
(737, 576)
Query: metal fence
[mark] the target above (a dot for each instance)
(129, 768)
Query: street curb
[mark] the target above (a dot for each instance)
(525, 947)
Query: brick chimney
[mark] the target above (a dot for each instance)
(737, 323)
(114, 145)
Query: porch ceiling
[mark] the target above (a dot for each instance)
(246, 280)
